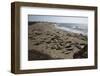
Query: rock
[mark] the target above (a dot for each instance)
(82, 53)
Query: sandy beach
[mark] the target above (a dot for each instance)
(46, 42)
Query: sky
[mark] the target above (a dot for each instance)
(58, 19)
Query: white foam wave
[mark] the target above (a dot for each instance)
(70, 30)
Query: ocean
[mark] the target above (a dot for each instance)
(72, 27)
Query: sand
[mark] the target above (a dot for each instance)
(45, 42)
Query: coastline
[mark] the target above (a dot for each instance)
(54, 43)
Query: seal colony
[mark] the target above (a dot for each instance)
(46, 42)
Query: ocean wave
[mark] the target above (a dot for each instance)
(74, 29)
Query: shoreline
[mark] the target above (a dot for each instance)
(57, 44)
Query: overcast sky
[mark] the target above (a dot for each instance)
(58, 19)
